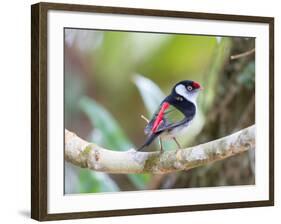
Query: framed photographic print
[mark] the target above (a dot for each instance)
(139, 111)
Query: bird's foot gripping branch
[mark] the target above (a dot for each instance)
(89, 155)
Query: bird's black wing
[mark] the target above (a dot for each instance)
(173, 125)
(163, 119)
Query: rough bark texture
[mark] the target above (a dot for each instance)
(89, 155)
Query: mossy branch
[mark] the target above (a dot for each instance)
(92, 156)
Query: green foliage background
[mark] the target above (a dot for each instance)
(111, 78)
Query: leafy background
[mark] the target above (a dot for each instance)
(111, 78)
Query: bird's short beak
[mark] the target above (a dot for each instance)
(201, 88)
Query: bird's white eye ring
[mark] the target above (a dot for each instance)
(189, 88)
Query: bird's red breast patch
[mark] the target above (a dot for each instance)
(159, 118)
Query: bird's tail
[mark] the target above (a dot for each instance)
(148, 141)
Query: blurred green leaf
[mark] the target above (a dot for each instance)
(108, 132)
(114, 57)
(181, 56)
(151, 94)
(140, 180)
(96, 182)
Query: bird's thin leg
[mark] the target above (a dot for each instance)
(178, 144)
(161, 145)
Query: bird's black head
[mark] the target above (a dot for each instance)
(187, 89)
(189, 85)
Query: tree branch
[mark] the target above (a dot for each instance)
(244, 54)
(92, 156)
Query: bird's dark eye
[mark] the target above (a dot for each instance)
(189, 88)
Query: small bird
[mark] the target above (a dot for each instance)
(174, 114)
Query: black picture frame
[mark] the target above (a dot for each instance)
(39, 106)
